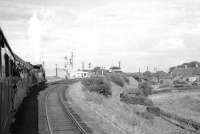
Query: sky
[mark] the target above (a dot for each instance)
(139, 33)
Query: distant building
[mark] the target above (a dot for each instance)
(162, 77)
(190, 74)
(79, 74)
(193, 78)
(99, 71)
(115, 69)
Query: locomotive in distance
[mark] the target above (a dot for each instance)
(17, 78)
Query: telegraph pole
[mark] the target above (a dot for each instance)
(66, 62)
(119, 64)
(89, 65)
(56, 71)
(83, 65)
(43, 63)
(72, 60)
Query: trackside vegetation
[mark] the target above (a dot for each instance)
(145, 88)
(99, 85)
(102, 85)
(117, 78)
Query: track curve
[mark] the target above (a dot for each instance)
(60, 116)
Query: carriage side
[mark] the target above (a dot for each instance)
(6, 83)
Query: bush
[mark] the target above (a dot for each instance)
(145, 88)
(99, 85)
(135, 99)
(125, 79)
(118, 79)
(161, 81)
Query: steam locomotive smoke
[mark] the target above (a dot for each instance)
(35, 37)
(39, 25)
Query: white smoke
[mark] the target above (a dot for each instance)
(34, 33)
(39, 25)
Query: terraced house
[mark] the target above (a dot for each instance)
(187, 72)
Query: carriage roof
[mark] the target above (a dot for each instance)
(2, 37)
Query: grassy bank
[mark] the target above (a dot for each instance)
(121, 117)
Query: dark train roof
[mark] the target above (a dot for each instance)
(27, 64)
(38, 66)
(4, 39)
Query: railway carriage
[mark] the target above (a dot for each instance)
(7, 79)
(16, 79)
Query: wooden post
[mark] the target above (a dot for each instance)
(56, 71)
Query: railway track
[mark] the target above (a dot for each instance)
(61, 118)
(185, 124)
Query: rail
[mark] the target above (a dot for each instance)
(46, 112)
(71, 115)
(186, 124)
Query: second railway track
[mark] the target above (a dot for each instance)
(61, 118)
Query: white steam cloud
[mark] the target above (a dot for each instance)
(35, 37)
(39, 24)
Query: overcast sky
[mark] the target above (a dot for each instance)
(139, 33)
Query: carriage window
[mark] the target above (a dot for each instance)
(0, 63)
(1, 45)
(1, 41)
(7, 68)
(11, 67)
